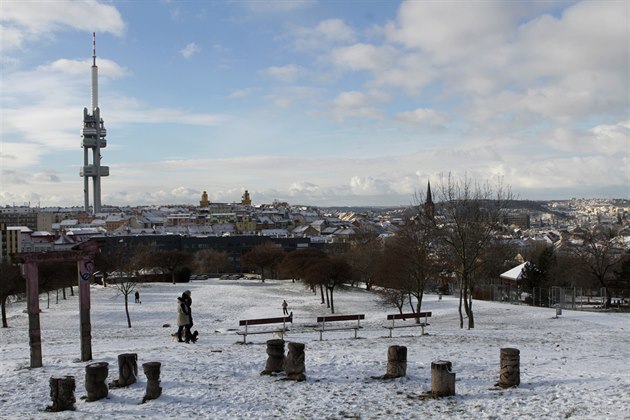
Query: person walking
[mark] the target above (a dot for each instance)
(285, 307)
(184, 317)
(138, 297)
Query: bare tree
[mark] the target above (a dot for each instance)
(125, 286)
(363, 255)
(331, 272)
(11, 284)
(391, 277)
(294, 264)
(600, 256)
(211, 261)
(417, 246)
(168, 260)
(473, 214)
(264, 258)
(57, 275)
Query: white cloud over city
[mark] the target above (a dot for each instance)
(316, 105)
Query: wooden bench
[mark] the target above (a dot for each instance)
(413, 316)
(264, 321)
(324, 320)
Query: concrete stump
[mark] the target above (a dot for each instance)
(152, 372)
(62, 393)
(95, 376)
(442, 379)
(510, 374)
(127, 370)
(275, 361)
(396, 362)
(294, 362)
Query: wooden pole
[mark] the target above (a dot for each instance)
(32, 303)
(85, 268)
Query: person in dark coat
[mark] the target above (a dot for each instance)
(138, 297)
(285, 306)
(184, 316)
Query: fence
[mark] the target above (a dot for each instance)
(564, 297)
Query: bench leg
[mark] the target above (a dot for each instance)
(422, 326)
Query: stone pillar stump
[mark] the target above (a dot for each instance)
(127, 370)
(62, 393)
(442, 379)
(152, 372)
(95, 376)
(294, 362)
(275, 361)
(510, 374)
(396, 362)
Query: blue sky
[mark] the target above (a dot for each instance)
(315, 102)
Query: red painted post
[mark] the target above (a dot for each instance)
(32, 304)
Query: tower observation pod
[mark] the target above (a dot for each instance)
(93, 140)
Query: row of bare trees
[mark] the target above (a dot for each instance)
(594, 259)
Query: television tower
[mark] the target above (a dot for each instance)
(93, 137)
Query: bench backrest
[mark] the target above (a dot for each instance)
(411, 315)
(329, 318)
(260, 321)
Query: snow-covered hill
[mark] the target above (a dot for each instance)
(575, 366)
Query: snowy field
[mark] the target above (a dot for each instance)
(575, 366)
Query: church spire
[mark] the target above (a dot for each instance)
(429, 207)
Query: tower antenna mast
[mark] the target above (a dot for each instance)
(93, 138)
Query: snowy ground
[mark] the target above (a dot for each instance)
(575, 366)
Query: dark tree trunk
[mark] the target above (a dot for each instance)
(461, 315)
(3, 308)
(332, 302)
(127, 310)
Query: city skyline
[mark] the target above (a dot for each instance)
(313, 102)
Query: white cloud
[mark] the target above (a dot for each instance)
(189, 50)
(106, 68)
(28, 21)
(448, 30)
(323, 35)
(286, 74)
(363, 57)
(267, 7)
(241, 93)
(422, 116)
(358, 104)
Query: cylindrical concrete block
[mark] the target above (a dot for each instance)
(152, 372)
(275, 361)
(62, 393)
(396, 362)
(294, 362)
(442, 379)
(95, 376)
(510, 374)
